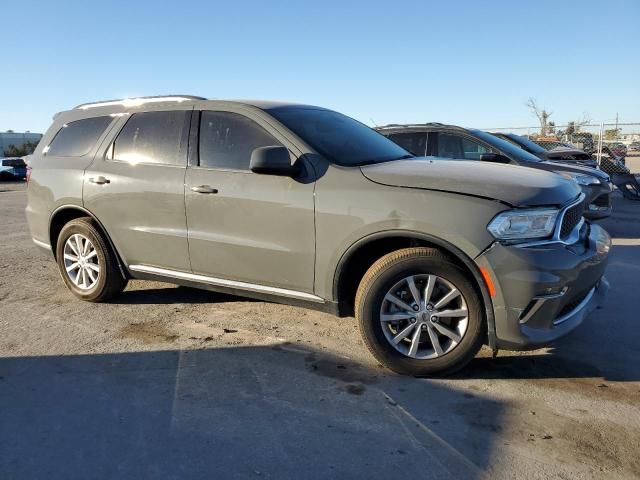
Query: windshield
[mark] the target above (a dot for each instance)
(339, 138)
(505, 147)
(524, 141)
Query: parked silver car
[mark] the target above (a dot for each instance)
(303, 205)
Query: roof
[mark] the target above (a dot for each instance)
(138, 101)
(272, 104)
(125, 104)
(134, 102)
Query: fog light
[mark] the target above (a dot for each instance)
(602, 239)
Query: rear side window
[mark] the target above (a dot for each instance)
(76, 139)
(228, 139)
(415, 142)
(153, 137)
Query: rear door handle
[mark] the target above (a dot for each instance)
(204, 189)
(99, 180)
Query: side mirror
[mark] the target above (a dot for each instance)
(272, 161)
(494, 157)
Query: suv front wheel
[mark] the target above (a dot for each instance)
(88, 266)
(419, 313)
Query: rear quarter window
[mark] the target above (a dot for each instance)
(76, 139)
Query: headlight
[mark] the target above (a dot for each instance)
(581, 178)
(524, 224)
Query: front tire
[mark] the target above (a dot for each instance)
(418, 313)
(87, 264)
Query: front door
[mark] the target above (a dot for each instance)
(247, 227)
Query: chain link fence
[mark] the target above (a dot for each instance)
(598, 139)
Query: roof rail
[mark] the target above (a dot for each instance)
(134, 102)
(414, 125)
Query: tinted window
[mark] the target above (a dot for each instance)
(472, 150)
(450, 146)
(415, 142)
(459, 147)
(228, 139)
(76, 139)
(153, 137)
(337, 137)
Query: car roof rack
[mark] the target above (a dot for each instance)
(135, 101)
(416, 125)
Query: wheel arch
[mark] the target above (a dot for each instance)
(357, 259)
(64, 214)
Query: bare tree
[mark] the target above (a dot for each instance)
(541, 113)
(585, 120)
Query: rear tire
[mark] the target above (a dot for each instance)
(438, 282)
(87, 264)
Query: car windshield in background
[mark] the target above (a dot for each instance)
(532, 146)
(339, 138)
(14, 163)
(504, 146)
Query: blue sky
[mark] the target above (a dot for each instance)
(473, 63)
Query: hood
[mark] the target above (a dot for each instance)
(517, 186)
(565, 167)
(563, 152)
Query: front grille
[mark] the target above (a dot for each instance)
(571, 218)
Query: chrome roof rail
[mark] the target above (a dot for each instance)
(134, 102)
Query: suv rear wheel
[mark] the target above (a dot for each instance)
(419, 313)
(87, 265)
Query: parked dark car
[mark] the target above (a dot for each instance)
(572, 156)
(16, 168)
(449, 141)
(619, 149)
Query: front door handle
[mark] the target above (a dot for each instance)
(99, 180)
(204, 189)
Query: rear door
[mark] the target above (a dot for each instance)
(247, 227)
(135, 187)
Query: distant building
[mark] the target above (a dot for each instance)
(17, 139)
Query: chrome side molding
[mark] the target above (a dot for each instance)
(46, 246)
(221, 282)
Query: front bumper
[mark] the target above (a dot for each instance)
(545, 291)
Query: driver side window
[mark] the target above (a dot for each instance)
(227, 140)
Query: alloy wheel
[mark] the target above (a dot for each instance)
(424, 316)
(81, 261)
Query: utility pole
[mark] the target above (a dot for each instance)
(616, 125)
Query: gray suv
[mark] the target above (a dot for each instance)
(303, 205)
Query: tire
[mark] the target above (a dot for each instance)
(422, 265)
(98, 286)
